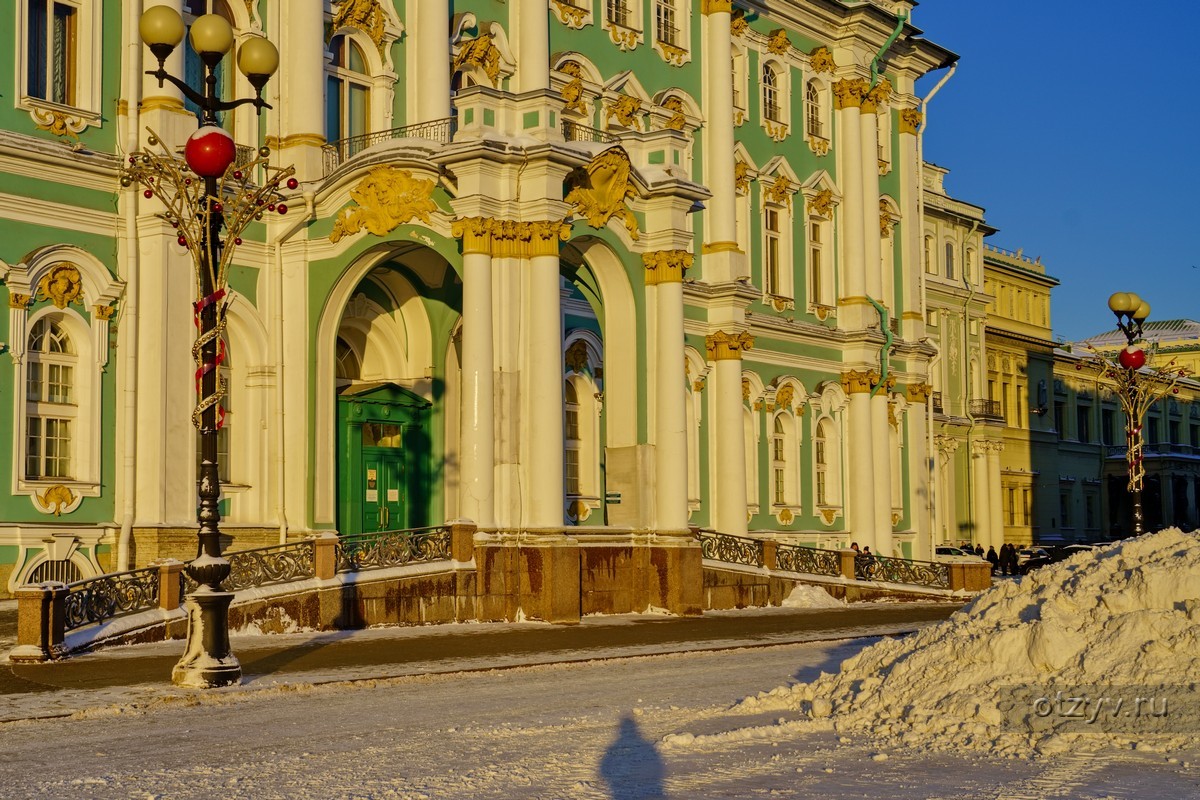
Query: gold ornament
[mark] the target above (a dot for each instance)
(601, 188)
(386, 197)
(62, 284)
(480, 52)
(366, 15)
(821, 60)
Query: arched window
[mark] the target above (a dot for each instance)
(51, 407)
(814, 126)
(778, 464)
(927, 255)
(349, 367)
(771, 250)
(739, 86)
(347, 93)
(572, 440)
(950, 260)
(770, 94)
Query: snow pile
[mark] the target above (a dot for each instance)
(1125, 617)
(806, 596)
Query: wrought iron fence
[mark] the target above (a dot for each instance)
(732, 549)
(795, 558)
(108, 596)
(263, 566)
(902, 570)
(987, 409)
(342, 150)
(392, 548)
(574, 132)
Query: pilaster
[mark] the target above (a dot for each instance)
(729, 490)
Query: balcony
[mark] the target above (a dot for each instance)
(574, 132)
(987, 409)
(341, 151)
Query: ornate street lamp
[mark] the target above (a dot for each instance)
(203, 193)
(1137, 386)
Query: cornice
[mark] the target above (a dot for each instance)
(21, 208)
(31, 157)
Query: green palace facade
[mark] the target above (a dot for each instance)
(590, 274)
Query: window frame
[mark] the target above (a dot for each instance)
(82, 105)
(347, 80)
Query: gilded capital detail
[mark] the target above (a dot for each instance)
(475, 232)
(511, 239)
(716, 7)
(666, 266)
(910, 120)
(722, 346)
(859, 381)
(918, 392)
(849, 93)
(876, 96)
(17, 300)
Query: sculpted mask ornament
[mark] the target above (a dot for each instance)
(601, 188)
(480, 52)
(821, 60)
(780, 191)
(576, 357)
(386, 197)
(778, 42)
(738, 24)
(786, 396)
(62, 284)
(886, 220)
(625, 109)
(366, 15)
(678, 120)
(572, 93)
(821, 204)
(741, 176)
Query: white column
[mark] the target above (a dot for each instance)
(720, 220)
(429, 29)
(162, 106)
(665, 269)
(852, 304)
(477, 405)
(995, 505)
(299, 32)
(910, 227)
(917, 447)
(869, 148)
(881, 472)
(532, 32)
(543, 384)
(981, 510)
(860, 489)
(729, 469)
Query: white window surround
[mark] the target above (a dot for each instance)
(826, 407)
(784, 436)
(816, 115)
(777, 202)
(673, 31)
(820, 209)
(85, 110)
(90, 338)
(776, 123)
(379, 76)
(622, 19)
(741, 102)
(697, 374)
(575, 14)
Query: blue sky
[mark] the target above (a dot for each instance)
(1074, 124)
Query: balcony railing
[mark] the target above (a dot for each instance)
(342, 150)
(987, 409)
(574, 132)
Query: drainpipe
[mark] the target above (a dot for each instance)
(310, 213)
(888, 338)
(901, 18)
(129, 309)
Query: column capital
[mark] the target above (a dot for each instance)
(859, 381)
(722, 346)
(918, 392)
(666, 266)
(849, 93)
(910, 120)
(876, 95)
(716, 7)
(512, 239)
(475, 232)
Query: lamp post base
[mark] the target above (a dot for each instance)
(208, 661)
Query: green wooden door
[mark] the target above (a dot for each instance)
(385, 506)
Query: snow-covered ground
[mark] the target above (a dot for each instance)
(664, 726)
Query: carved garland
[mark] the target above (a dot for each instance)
(570, 15)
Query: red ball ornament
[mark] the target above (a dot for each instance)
(237, 240)
(292, 183)
(209, 151)
(148, 194)
(282, 208)
(237, 174)
(182, 241)
(217, 208)
(1132, 358)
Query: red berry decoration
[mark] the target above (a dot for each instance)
(182, 241)
(237, 240)
(209, 151)
(217, 208)
(1132, 358)
(292, 183)
(237, 174)
(282, 208)
(271, 207)
(148, 194)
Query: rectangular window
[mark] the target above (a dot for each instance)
(1010, 506)
(1064, 508)
(1090, 510)
(1083, 423)
(1196, 436)
(1108, 419)
(1173, 432)
(1060, 420)
(51, 47)
(664, 22)
(48, 448)
(1152, 437)
(617, 12)
(771, 256)
(572, 471)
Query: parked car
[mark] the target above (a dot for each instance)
(1030, 558)
(954, 554)
(1071, 549)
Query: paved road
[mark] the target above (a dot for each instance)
(449, 648)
